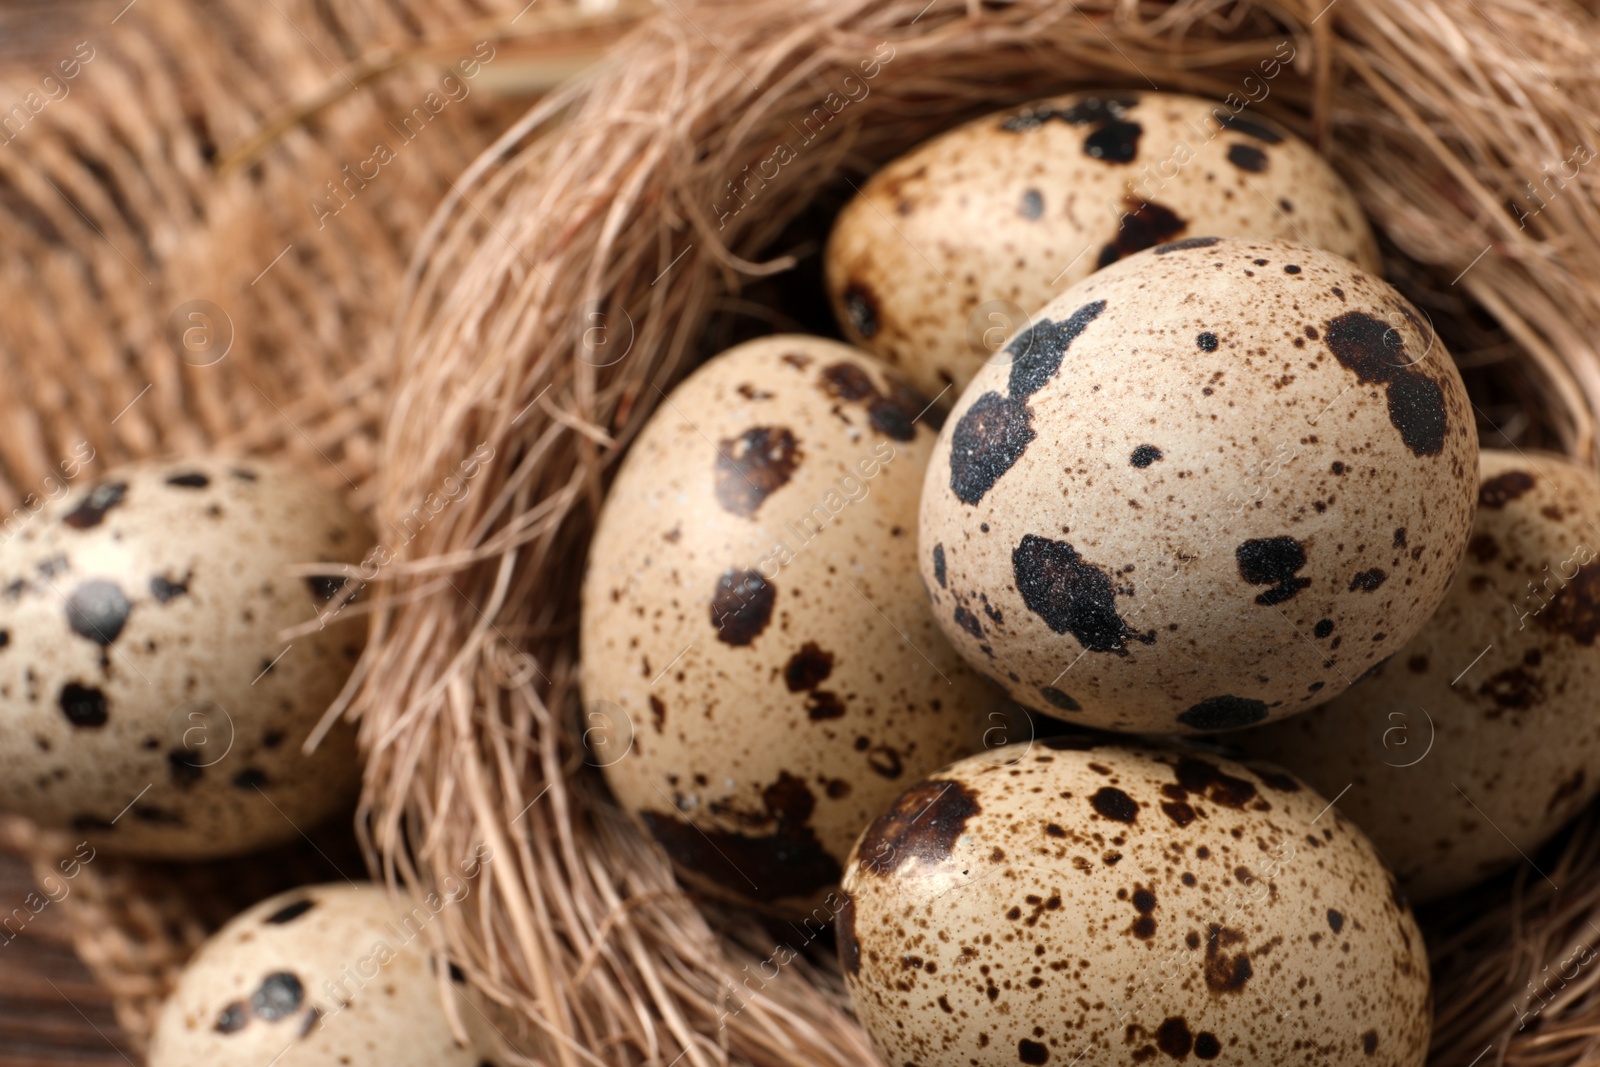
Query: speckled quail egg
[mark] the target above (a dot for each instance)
(1220, 480)
(947, 249)
(326, 975)
(1066, 902)
(1471, 745)
(760, 671)
(150, 702)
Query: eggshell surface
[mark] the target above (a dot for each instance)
(1466, 750)
(760, 671)
(327, 975)
(150, 702)
(947, 249)
(1054, 904)
(1219, 481)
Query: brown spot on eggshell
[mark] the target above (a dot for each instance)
(988, 440)
(844, 925)
(1247, 158)
(1226, 971)
(753, 466)
(99, 500)
(1376, 353)
(1368, 580)
(1260, 129)
(98, 610)
(922, 827)
(1224, 713)
(1143, 224)
(83, 705)
(1173, 1037)
(1114, 804)
(1502, 489)
(1575, 609)
(787, 862)
(808, 668)
(741, 606)
(1273, 561)
(862, 307)
(1071, 595)
(1036, 352)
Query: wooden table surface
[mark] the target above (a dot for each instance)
(52, 1012)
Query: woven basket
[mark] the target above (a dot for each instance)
(581, 266)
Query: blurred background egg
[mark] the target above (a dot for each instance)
(1466, 749)
(151, 703)
(325, 976)
(760, 671)
(947, 250)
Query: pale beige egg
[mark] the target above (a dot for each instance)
(947, 249)
(760, 670)
(153, 704)
(1073, 902)
(1464, 751)
(325, 976)
(1220, 480)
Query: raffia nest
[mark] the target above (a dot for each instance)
(583, 264)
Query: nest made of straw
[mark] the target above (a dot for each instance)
(597, 210)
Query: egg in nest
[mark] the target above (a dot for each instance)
(325, 975)
(1218, 481)
(151, 704)
(760, 670)
(948, 249)
(1462, 753)
(1072, 902)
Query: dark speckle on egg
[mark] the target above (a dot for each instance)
(1144, 455)
(83, 705)
(99, 500)
(1502, 489)
(862, 308)
(1114, 804)
(1247, 157)
(741, 606)
(753, 466)
(987, 441)
(232, 1018)
(1257, 128)
(1145, 224)
(1224, 713)
(189, 480)
(290, 912)
(1071, 594)
(98, 610)
(280, 994)
(1273, 561)
(1037, 351)
(1032, 204)
(921, 827)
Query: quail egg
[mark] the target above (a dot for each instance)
(760, 670)
(1073, 902)
(151, 704)
(949, 248)
(325, 976)
(1218, 481)
(1461, 753)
